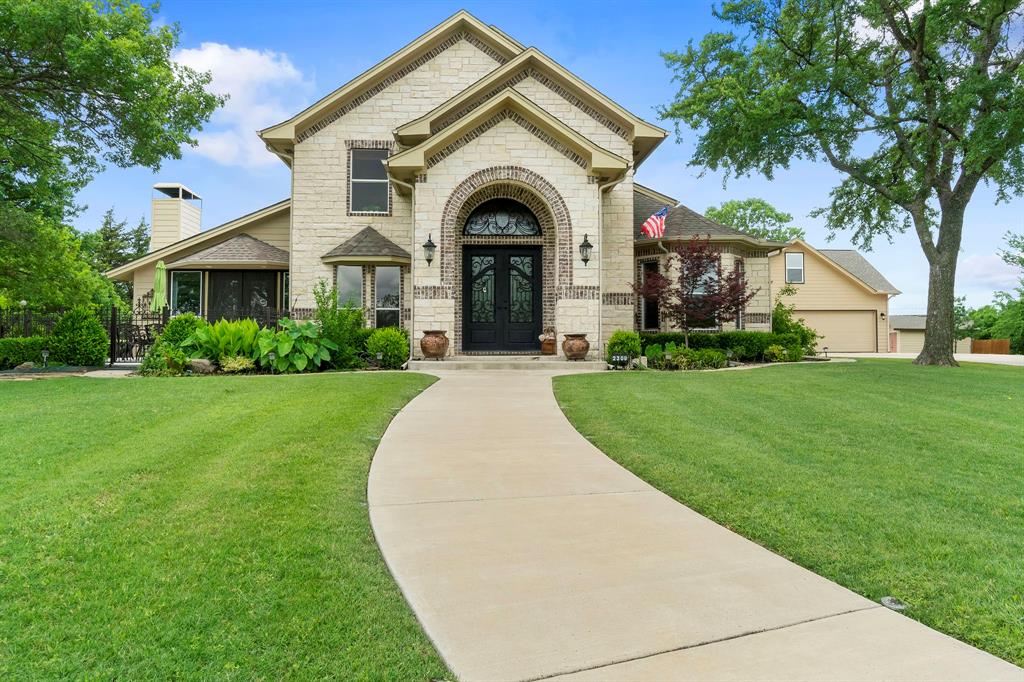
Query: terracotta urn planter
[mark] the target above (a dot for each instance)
(575, 346)
(434, 344)
(548, 342)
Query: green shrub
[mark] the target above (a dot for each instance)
(180, 327)
(237, 363)
(794, 352)
(706, 358)
(624, 343)
(392, 344)
(79, 338)
(17, 350)
(343, 326)
(163, 360)
(784, 322)
(297, 347)
(655, 356)
(776, 353)
(222, 338)
(746, 346)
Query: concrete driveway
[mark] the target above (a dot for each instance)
(1017, 360)
(527, 554)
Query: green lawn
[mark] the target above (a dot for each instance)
(199, 528)
(886, 477)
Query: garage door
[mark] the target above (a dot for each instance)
(845, 331)
(911, 341)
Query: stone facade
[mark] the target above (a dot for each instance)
(506, 156)
(462, 116)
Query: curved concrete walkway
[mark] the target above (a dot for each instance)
(526, 554)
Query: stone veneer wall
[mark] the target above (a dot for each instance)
(320, 219)
(499, 155)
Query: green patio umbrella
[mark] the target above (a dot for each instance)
(159, 288)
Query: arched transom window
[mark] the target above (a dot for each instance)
(502, 218)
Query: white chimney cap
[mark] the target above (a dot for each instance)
(176, 190)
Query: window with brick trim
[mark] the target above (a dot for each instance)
(369, 190)
(350, 285)
(650, 312)
(387, 296)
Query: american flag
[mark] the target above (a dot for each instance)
(654, 227)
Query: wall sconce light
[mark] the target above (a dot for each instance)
(429, 248)
(882, 315)
(585, 249)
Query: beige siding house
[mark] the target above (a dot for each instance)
(497, 157)
(838, 293)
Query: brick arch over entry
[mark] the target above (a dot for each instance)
(509, 182)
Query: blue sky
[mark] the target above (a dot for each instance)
(275, 58)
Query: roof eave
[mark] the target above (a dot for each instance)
(123, 272)
(646, 136)
(287, 130)
(602, 162)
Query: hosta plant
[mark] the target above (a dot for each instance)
(223, 338)
(297, 347)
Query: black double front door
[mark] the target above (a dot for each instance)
(501, 298)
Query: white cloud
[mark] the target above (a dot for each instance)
(264, 88)
(988, 271)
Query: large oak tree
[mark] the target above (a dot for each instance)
(915, 102)
(81, 84)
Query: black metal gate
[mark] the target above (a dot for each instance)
(133, 331)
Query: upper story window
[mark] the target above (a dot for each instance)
(794, 268)
(368, 182)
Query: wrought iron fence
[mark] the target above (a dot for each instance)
(133, 331)
(24, 322)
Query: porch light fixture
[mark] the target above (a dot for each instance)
(45, 352)
(585, 248)
(429, 248)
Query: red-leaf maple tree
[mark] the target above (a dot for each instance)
(697, 293)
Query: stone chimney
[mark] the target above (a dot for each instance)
(176, 214)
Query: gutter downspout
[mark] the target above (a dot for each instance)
(412, 263)
(602, 188)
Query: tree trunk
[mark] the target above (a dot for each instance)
(939, 329)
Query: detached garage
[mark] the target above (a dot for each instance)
(838, 293)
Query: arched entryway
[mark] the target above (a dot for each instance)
(539, 197)
(502, 277)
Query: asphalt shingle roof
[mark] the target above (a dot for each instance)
(858, 266)
(242, 248)
(367, 242)
(681, 221)
(907, 321)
